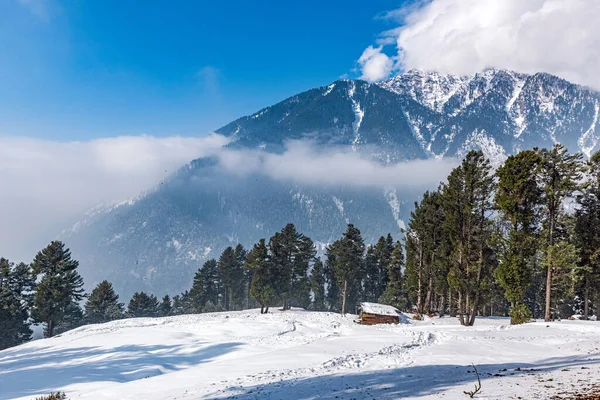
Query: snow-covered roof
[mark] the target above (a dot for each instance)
(379, 309)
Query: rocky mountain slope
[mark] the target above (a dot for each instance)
(158, 240)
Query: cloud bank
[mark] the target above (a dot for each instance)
(305, 163)
(561, 37)
(47, 183)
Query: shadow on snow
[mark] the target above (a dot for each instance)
(34, 371)
(395, 383)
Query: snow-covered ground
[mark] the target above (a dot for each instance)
(304, 355)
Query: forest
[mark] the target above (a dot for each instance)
(521, 241)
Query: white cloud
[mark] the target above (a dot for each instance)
(46, 183)
(305, 163)
(374, 64)
(561, 37)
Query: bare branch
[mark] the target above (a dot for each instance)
(477, 386)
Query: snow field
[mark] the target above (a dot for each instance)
(303, 355)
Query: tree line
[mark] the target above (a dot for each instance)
(523, 241)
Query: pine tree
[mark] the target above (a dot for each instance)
(349, 253)
(103, 304)
(73, 318)
(303, 255)
(332, 294)
(183, 304)
(24, 284)
(370, 275)
(262, 287)
(394, 292)
(559, 176)
(518, 199)
(383, 254)
(14, 313)
(142, 305)
(59, 285)
(231, 271)
(165, 307)
(240, 295)
(317, 285)
(467, 205)
(206, 286)
(291, 253)
(587, 235)
(424, 239)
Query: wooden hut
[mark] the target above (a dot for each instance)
(373, 313)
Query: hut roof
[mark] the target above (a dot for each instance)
(378, 309)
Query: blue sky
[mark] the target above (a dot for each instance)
(77, 70)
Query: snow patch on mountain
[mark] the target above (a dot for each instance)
(428, 88)
(588, 141)
(329, 89)
(479, 140)
(392, 199)
(339, 204)
(359, 114)
(518, 88)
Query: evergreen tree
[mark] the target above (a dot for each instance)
(370, 275)
(142, 305)
(291, 254)
(206, 286)
(394, 292)
(165, 308)
(103, 304)
(184, 304)
(317, 285)
(383, 254)
(262, 288)
(240, 288)
(423, 245)
(303, 255)
(587, 235)
(73, 318)
(467, 205)
(14, 313)
(559, 176)
(59, 286)
(349, 252)
(231, 273)
(24, 285)
(518, 199)
(332, 294)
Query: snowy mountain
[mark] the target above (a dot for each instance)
(305, 355)
(158, 241)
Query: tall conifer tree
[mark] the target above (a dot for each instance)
(59, 286)
(559, 174)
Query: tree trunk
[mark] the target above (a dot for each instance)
(586, 298)
(549, 274)
(429, 292)
(262, 309)
(548, 293)
(344, 297)
(474, 311)
(461, 309)
(49, 329)
(267, 310)
(420, 283)
(442, 309)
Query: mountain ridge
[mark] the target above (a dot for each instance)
(158, 241)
